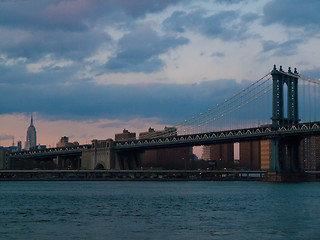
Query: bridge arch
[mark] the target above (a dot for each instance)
(100, 166)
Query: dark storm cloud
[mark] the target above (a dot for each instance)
(139, 51)
(83, 101)
(74, 15)
(141, 7)
(43, 15)
(17, 75)
(33, 27)
(226, 25)
(293, 13)
(287, 48)
(73, 45)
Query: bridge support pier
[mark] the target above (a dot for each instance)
(285, 165)
(60, 162)
(100, 156)
(128, 160)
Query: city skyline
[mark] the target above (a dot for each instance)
(89, 69)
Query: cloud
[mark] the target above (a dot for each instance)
(53, 54)
(74, 30)
(226, 25)
(4, 60)
(312, 73)
(34, 45)
(83, 101)
(115, 124)
(287, 48)
(249, 17)
(138, 123)
(47, 16)
(142, 7)
(53, 72)
(293, 13)
(230, 1)
(6, 137)
(74, 15)
(218, 54)
(48, 63)
(139, 50)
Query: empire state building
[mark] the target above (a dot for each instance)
(31, 140)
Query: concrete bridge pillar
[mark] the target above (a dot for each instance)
(285, 155)
(128, 160)
(59, 162)
(292, 155)
(100, 156)
(285, 165)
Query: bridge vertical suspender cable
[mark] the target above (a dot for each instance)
(310, 105)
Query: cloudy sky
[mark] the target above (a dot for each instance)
(89, 68)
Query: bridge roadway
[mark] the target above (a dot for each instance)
(300, 130)
(50, 152)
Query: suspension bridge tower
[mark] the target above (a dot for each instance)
(281, 80)
(285, 150)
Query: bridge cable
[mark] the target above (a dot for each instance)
(230, 105)
(226, 103)
(241, 104)
(233, 108)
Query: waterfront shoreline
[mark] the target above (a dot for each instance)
(140, 175)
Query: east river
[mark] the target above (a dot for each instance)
(159, 210)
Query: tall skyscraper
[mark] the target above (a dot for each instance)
(31, 140)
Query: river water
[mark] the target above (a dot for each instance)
(159, 210)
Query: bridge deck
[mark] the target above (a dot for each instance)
(236, 135)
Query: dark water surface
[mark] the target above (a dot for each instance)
(159, 210)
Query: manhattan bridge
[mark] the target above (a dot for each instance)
(291, 99)
(282, 107)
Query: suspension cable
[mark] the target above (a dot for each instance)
(226, 103)
(226, 111)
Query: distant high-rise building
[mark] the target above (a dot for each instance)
(206, 150)
(310, 153)
(125, 135)
(255, 155)
(221, 154)
(4, 159)
(165, 158)
(19, 146)
(265, 154)
(250, 155)
(31, 140)
(64, 142)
